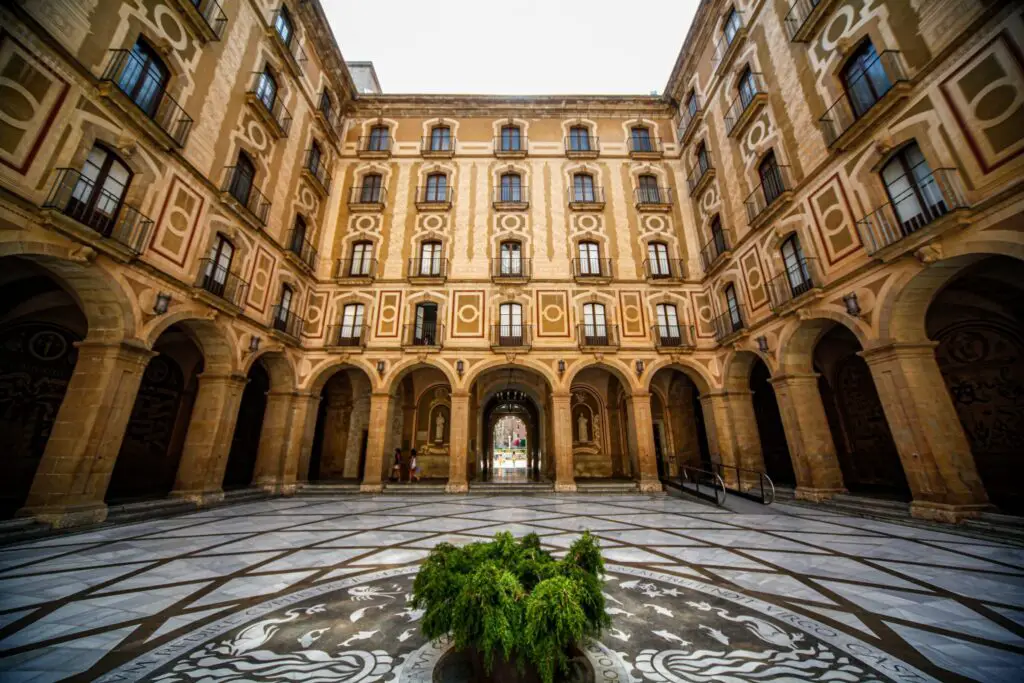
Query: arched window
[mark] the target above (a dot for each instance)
(218, 266)
(510, 329)
(440, 139)
(733, 304)
(99, 190)
(362, 259)
(283, 25)
(326, 105)
(298, 235)
(747, 87)
(590, 258)
(797, 273)
(648, 187)
(425, 332)
(771, 178)
(351, 324)
(657, 259)
(511, 140)
(912, 189)
(511, 262)
(864, 79)
(703, 163)
(430, 259)
(583, 187)
(266, 89)
(595, 327)
(242, 178)
(668, 325)
(144, 77)
(511, 187)
(732, 26)
(640, 138)
(437, 187)
(380, 139)
(370, 191)
(579, 139)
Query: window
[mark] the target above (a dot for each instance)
(510, 139)
(242, 178)
(437, 187)
(218, 267)
(717, 235)
(668, 324)
(657, 257)
(298, 235)
(771, 178)
(284, 309)
(733, 305)
(510, 330)
(326, 105)
(912, 189)
(379, 139)
(144, 77)
(352, 321)
(793, 260)
(595, 329)
(362, 259)
(590, 258)
(641, 138)
(691, 104)
(441, 139)
(425, 329)
(583, 187)
(579, 139)
(315, 155)
(511, 258)
(732, 26)
(266, 89)
(747, 87)
(864, 79)
(703, 163)
(511, 188)
(369, 193)
(430, 259)
(649, 192)
(99, 190)
(283, 25)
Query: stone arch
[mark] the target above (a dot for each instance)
(530, 364)
(697, 374)
(797, 341)
(397, 372)
(737, 367)
(614, 366)
(220, 356)
(318, 376)
(278, 365)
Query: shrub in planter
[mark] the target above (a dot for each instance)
(513, 600)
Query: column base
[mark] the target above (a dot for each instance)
(277, 489)
(456, 487)
(565, 487)
(67, 516)
(650, 486)
(816, 495)
(199, 497)
(371, 487)
(944, 512)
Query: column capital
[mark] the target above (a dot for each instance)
(226, 377)
(724, 393)
(461, 395)
(128, 349)
(891, 349)
(794, 377)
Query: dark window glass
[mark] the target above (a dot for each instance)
(511, 188)
(242, 179)
(144, 77)
(510, 139)
(734, 307)
(641, 139)
(283, 25)
(864, 79)
(441, 139)
(379, 139)
(649, 192)
(100, 189)
(732, 26)
(797, 272)
(747, 87)
(583, 187)
(771, 178)
(912, 189)
(579, 139)
(370, 191)
(437, 187)
(266, 89)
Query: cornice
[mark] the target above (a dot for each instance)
(457, 105)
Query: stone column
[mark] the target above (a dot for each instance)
(642, 436)
(811, 448)
(72, 477)
(334, 448)
(458, 443)
(561, 426)
(721, 434)
(380, 414)
(356, 424)
(270, 458)
(746, 442)
(933, 448)
(201, 470)
(299, 443)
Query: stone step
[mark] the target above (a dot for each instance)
(317, 488)
(499, 489)
(606, 487)
(414, 488)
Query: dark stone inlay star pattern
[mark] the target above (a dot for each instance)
(319, 585)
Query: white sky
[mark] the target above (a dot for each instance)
(515, 47)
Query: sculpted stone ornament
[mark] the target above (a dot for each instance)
(439, 427)
(929, 253)
(582, 432)
(83, 254)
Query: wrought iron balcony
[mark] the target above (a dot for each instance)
(729, 323)
(582, 148)
(652, 198)
(926, 200)
(713, 250)
(302, 249)
(665, 269)
(434, 198)
(317, 170)
(207, 16)
(375, 146)
(688, 121)
(125, 75)
(597, 336)
(270, 107)
(437, 147)
(347, 336)
(513, 147)
(586, 199)
(425, 267)
(774, 192)
(367, 197)
(592, 268)
(296, 56)
(796, 280)
(424, 335)
(285, 321)
(672, 338)
(881, 84)
(238, 187)
(221, 283)
(726, 47)
(747, 103)
(356, 268)
(512, 197)
(76, 197)
(645, 147)
(700, 175)
(511, 336)
(803, 18)
(511, 269)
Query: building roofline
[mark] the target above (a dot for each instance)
(686, 53)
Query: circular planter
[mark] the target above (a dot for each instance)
(467, 666)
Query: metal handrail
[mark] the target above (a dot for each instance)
(689, 474)
(723, 44)
(510, 335)
(375, 144)
(697, 172)
(301, 247)
(776, 182)
(445, 145)
(127, 72)
(586, 197)
(356, 268)
(665, 269)
(795, 280)
(429, 267)
(687, 118)
(340, 334)
(426, 194)
(597, 335)
(286, 321)
(364, 195)
(515, 145)
(511, 268)
(678, 336)
(318, 169)
(291, 45)
(652, 196)
(593, 145)
(839, 117)
(767, 496)
(592, 267)
(221, 282)
(743, 101)
(713, 248)
(424, 334)
(512, 194)
(212, 14)
(276, 109)
(649, 145)
(245, 193)
(77, 197)
(725, 325)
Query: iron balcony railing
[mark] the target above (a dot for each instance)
(212, 14)
(729, 323)
(589, 145)
(796, 279)
(424, 334)
(687, 118)
(511, 268)
(368, 194)
(697, 173)
(510, 145)
(775, 181)
(375, 144)
(326, 110)
(586, 195)
(673, 336)
(221, 282)
(799, 12)
(272, 103)
(592, 267)
(713, 249)
(645, 145)
(428, 266)
(77, 197)
(286, 321)
(596, 334)
(238, 185)
(928, 197)
(291, 43)
(348, 335)
(431, 194)
(127, 72)
(745, 98)
(438, 146)
(510, 335)
(512, 194)
(301, 247)
(862, 93)
(664, 269)
(316, 167)
(725, 42)
(356, 268)
(652, 196)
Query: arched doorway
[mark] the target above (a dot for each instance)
(342, 429)
(774, 447)
(603, 446)
(246, 440)
(508, 405)
(684, 437)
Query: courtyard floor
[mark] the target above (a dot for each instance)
(315, 589)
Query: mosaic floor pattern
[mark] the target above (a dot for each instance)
(316, 589)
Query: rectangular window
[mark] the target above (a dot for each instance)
(352, 321)
(583, 188)
(668, 324)
(657, 255)
(362, 259)
(594, 327)
(430, 259)
(511, 259)
(590, 258)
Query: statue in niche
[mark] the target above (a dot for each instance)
(582, 423)
(439, 427)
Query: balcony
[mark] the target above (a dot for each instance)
(97, 217)
(798, 282)
(347, 337)
(673, 338)
(511, 269)
(270, 109)
(745, 106)
(804, 18)
(726, 49)
(315, 169)
(664, 270)
(429, 198)
(689, 122)
(512, 198)
(593, 270)
(511, 337)
(586, 199)
(645, 147)
(206, 18)
(239, 191)
(424, 336)
(301, 251)
(219, 287)
(285, 323)
(293, 53)
(510, 147)
(582, 148)
(374, 146)
(437, 148)
(330, 120)
(729, 325)
(126, 84)
(935, 203)
(700, 175)
(597, 337)
(428, 269)
(367, 198)
(715, 252)
(356, 270)
(770, 197)
(855, 115)
(652, 198)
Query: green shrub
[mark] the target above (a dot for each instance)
(513, 598)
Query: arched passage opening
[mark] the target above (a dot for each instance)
(683, 433)
(246, 440)
(342, 428)
(603, 445)
(774, 448)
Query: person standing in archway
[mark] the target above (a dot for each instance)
(396, 468)
(414, 468)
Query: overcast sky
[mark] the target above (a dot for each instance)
(514, 48)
